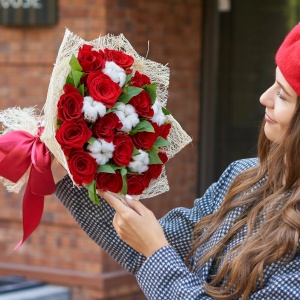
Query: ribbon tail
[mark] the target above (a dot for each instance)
(33, 206)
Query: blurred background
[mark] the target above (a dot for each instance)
(221, 57)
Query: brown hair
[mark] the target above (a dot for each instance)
(277, 199)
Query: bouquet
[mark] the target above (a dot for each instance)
(105, 122)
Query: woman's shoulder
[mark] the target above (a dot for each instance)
(234, 169)
(243, 164)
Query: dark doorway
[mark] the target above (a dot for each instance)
(239, 44)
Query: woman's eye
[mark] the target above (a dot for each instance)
(280, 96)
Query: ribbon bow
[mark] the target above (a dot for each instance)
(18, 151)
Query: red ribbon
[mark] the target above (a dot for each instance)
(18, 151)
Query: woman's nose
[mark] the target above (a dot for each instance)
(267, 98)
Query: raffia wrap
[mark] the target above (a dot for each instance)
(157, 73)
(12, 119)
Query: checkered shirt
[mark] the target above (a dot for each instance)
(164, 275)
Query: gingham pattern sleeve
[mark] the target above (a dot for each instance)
(178, 224)
(165, 276)
(96, 221)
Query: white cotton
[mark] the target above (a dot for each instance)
(127, 116)
(142, 157)
(96, 147)
(121, 106)
(116, 73)
(107, 147)
(128, 109)
(100, 158)
(120, 115)
(92, 109)
(137, 166)
(90, 114)
(101, 150)
(127, 126)
(100, 108)
(159, 117)
(88, 100)
(134, 119)
(129, 122)
(140, 162)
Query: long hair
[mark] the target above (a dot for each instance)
(276, 201)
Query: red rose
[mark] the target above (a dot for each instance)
(90, 60)
(123, 149)
(73, 134)
(155, 170)
(104, 127)
(103, 89)
(164, 130)
(82, 166)
(135, 184)
(139, 79)
(142, 104)
(70, 104)
(145, 140)
(121, 59)
(109, 182)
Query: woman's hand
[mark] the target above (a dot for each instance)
(136, 225)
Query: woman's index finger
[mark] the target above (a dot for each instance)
(114, 202)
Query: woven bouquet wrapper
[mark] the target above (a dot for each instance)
(17, 119)
(157, 73)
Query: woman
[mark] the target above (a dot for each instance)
(241, 239)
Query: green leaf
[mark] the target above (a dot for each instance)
(153, 157)
(142, 126)
(123, 171)
(128, 77)
(81, 90)
(165, 111)
(135, 152)
(92, 140)
(76, 75)
(128, 93)
(161, 142)
(69, 80)
(124, 187)
(106, 169)
(74, 63)
(151, 89)
(91, 187)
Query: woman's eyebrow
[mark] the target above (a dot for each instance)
(284, 88)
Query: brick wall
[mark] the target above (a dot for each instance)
(59, 252)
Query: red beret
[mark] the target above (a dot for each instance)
(288, 58)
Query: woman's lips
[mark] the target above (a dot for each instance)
(268, 118)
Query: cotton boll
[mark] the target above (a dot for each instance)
(120, 115)
(100, 158)
(96, 147)
(116, 73)
(100, 108)
(127, 126)
(142, 157)
(128, 109)
(90, 114)
(159, 119)
(134, 119)
(107, 147)
(122, 77)
(109, 155)
(87, 100)
(137, 166)
(121, 106)
(140, 162)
